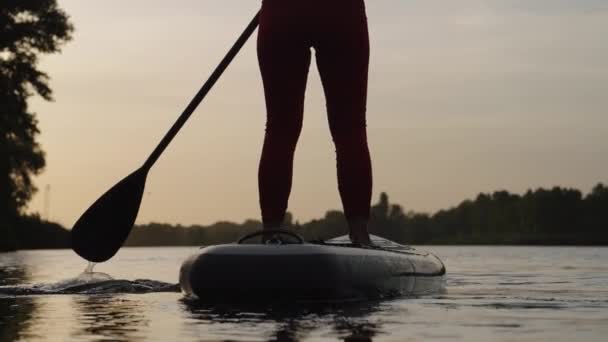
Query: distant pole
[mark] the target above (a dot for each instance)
(47, 202)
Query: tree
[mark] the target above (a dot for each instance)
(28, 28)
(596, 211)
(380, 211)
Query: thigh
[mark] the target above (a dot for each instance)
(342, 59)
(284, 59)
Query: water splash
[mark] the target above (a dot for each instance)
(87, 279)
(90, 267)
(89, 282)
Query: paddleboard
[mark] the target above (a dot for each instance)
(295, 270)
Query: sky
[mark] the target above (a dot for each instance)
(464, 97)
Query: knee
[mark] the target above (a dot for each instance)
(350, 139)
(282, 135)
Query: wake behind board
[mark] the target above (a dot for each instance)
(295, 270)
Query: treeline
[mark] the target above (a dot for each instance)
(31, 232)
(558, 216)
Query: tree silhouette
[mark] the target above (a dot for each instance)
(543, 217)
(28, 28)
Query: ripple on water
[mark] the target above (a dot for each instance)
(90, 283)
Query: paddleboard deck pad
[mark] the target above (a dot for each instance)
(329, 270)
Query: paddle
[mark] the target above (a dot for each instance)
(103, 228)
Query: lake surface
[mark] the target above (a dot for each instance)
(492, 293)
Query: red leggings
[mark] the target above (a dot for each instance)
(337, 30)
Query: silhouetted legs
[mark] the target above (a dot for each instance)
(342, 53)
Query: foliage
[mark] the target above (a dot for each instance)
(35, 233)
(31, 232)
(8, 239)
(557, 216)
(28, 28)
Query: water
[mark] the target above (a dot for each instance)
(493, 293)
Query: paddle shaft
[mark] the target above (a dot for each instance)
(219, 70)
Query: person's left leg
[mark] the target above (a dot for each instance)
(342, 59)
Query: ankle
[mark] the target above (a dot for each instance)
(358, 231)
(272, 225)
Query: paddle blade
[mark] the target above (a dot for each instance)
(103, 228)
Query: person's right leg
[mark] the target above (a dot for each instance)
(284, 59)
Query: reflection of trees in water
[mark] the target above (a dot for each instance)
(12, 269)
(15, 313)
(110, 316)
(356, 330)
(15, 317)
(293, 322)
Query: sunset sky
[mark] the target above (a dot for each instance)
(464, 97)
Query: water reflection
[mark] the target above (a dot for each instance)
(110, 317)
(286, 322)
(15, 314)
(12, 269)
(357, 331)
(15, 317)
